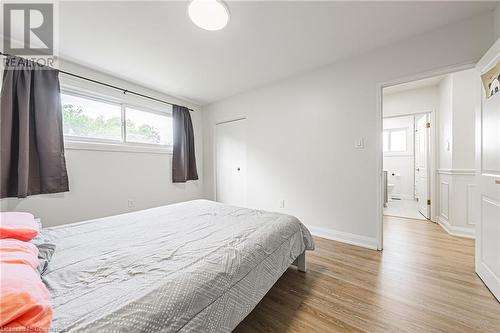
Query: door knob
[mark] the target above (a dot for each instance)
(497, 181)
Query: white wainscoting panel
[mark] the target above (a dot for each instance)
(444, 199)
(459, 203)
(472, 207)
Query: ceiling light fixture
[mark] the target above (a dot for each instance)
(208, 14)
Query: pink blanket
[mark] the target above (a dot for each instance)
(24, 299)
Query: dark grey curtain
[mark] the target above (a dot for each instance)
(32, 149)
(183, 161)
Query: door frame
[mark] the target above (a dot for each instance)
(214, 149)
(432, 150)
(379, 142)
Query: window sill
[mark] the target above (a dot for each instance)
(115, 147)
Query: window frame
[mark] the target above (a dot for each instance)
(81, 143)
(390, 152)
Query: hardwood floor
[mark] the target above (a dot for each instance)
(423, 281)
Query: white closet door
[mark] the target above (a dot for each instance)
(231, 160)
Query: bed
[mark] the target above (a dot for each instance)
(197, 266)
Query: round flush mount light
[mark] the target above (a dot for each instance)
(208, 14)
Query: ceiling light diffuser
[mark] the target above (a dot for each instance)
(208, 14)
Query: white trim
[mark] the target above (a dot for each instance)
(344, 237)
(490, 58)
(489, 278)
(456, 231)
(379, 142)
(463, 172)
(116, 147)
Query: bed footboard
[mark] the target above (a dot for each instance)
(300, 262)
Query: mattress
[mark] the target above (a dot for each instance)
(197, 266)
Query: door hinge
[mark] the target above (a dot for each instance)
(429, 202)
(427, 125)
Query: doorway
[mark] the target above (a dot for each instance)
(231, 162)
(443, 109)
(406, 165)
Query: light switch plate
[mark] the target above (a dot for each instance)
(360, 143)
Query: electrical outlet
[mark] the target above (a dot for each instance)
(282, 203)
(131, 203)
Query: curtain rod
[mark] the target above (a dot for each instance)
(125, 91)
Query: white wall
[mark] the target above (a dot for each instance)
(460, 98)
(466, 86)
(400, 166)
(102, 182)
(445, 123)
(302, 131)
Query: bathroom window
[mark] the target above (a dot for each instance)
(395, 140)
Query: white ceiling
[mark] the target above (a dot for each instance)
(156, 45)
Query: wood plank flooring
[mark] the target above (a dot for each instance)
(423, 281)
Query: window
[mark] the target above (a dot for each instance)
(148, 127)
(91, 119)
(98, 121)
(398, 141)
(395, 140)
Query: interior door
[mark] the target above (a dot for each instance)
(422, 166)
(488, 179)
(231, 156)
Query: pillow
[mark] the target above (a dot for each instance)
(24, 299)
(18, 225)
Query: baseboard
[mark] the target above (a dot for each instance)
(344, 237)
(456, 231)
